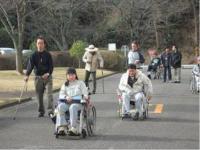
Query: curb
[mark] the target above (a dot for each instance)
(12, 102)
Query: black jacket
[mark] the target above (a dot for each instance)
(176, 59)
(166, 59)
(41, 62)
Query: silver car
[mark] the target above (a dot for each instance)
(7, 51)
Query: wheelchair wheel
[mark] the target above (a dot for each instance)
(192, 86)
(146, 113)
(83, 133)
(91, 121)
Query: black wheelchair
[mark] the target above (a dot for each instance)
(86, 121)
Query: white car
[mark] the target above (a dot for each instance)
(27, 51)
(7, 51)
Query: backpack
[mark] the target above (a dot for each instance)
(142, 60)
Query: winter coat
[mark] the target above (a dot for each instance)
(142, 84)
(166, 59)
(95, 60)
(176, 59)
(75, 88)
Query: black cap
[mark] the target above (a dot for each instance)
(71, 70)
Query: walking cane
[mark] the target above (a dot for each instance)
(19, 100)
(102, 80)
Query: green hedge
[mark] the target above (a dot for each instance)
(112, 60)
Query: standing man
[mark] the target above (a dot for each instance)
(134, 55)
(176, 64)
(166, 59)
(92, 59)
(41, 62)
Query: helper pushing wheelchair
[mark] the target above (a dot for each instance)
(134, 85)
(74, 115)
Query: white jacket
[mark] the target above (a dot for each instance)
(94, 59)
(143, 84)
(75, 88)
(196, 70)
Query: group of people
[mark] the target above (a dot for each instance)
(42, 63)
(166, 60)
(132, 83)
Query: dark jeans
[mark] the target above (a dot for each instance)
(167, 70)
(40, 86)
(87, 76)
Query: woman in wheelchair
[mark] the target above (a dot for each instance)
(154, 65)
(135, 84)
(73, 94)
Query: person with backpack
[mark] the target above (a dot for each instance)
(135, 56)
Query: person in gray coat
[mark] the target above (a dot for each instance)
(93, 60)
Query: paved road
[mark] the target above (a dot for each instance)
(176, 126)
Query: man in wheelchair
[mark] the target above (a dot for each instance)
(154, 65)
(73, 94)
(135, 84)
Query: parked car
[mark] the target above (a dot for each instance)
(27, 51)
(7, 51)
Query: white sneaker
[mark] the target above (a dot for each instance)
(73, 130)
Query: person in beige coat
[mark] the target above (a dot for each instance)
(93, 60)
(135, 83)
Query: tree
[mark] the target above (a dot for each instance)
(77, 50)
(13, 14)
(14, 29)
(59, 20)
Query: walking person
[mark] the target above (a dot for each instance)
(92, 59)
(176, 64)
(134, 55)
(166, 59)
(41, 62)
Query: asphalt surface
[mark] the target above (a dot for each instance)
(176, 126)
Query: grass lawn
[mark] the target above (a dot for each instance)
(11, 81)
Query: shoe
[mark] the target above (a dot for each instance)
(127, 115)
(50, 113)
(41, 115)
(61, 132)
(136, 117)
(149, 76)
(73, 131)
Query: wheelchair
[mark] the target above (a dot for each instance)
(132, 109)
(157, 73)
(86, 121)
(195, 84)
